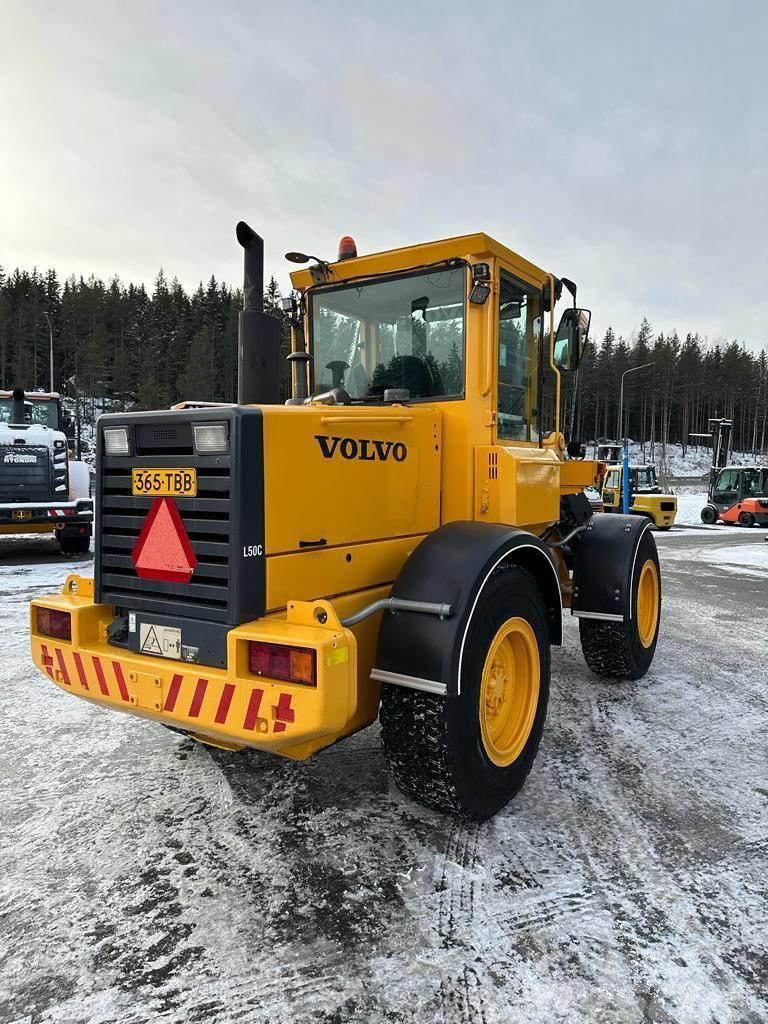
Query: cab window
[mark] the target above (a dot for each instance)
(612, 479)
(518, 362)
(399, 332)
(728, 480)
(44, 412)
(751, 481)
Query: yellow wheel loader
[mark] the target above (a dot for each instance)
(402, 537)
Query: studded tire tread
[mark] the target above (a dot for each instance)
(432, 744)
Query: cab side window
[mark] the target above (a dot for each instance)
(518, 414)
(728, 481)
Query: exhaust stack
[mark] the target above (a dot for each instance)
(18, 410)
(258, 338)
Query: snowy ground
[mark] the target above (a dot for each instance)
(146, 879)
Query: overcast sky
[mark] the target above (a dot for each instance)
(625, 146)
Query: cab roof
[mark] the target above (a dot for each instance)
(475, 248)
(33, 395)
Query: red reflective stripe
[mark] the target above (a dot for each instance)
(63, 666)
(47, 660)
(279, 727)
(120, 680)
(226, 700)
(173, 693)
(253, 709)
(100, 673)
(81, 670)
(284, 712)
(197, 700)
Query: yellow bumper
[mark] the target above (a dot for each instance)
(226, 707)
(650, 505)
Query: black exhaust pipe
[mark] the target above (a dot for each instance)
(258, 338)
(18, 408)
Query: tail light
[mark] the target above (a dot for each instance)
(291, 664)
(51, 622)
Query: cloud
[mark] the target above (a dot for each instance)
(623, 147)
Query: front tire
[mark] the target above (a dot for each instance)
(709, 515)
(469, 753)
(625, 650)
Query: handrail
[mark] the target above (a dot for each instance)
(399, 604)
(366, 419)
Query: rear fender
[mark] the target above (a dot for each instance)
(452, 566)
(604, 561)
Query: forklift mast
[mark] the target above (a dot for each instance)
(721, 446)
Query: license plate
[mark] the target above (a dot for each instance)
(21, 514)
(165, 483)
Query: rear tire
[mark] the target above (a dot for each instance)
(709, 515)
(746, 519)
(74, 545)
(625, 650)
(469, 753)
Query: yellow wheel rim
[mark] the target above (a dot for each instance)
(648, 603)
(509, 691)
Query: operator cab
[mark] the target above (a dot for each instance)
(735, 483)
(43, 410)
(642, 481)
(373, 331)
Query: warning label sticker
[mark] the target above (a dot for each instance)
(164, 641)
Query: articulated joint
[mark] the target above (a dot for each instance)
(397, 604)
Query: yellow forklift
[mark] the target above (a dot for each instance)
(401, 538)
(646, 496)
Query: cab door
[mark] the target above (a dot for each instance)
(612, 490)
(517, 363)
(725, 493)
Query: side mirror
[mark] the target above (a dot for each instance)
(571, 338)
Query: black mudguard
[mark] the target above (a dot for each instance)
(451, 566)
(603, 562)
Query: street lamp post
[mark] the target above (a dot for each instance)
(50, 333)
(625, 459)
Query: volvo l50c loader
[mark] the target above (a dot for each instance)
(43, 489)
(400, 539)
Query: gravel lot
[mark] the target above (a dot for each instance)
(144, 878)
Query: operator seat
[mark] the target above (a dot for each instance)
(412, 372)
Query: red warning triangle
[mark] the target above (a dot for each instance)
(163, 550)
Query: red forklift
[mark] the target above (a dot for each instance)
(737, 494)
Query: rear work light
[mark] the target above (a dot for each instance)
(211, 438)
(291, 664)
(51, 622)
(116, 441)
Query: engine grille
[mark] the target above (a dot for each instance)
(206, 520)
(25, 473)
(667, 506)
(220, 590)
